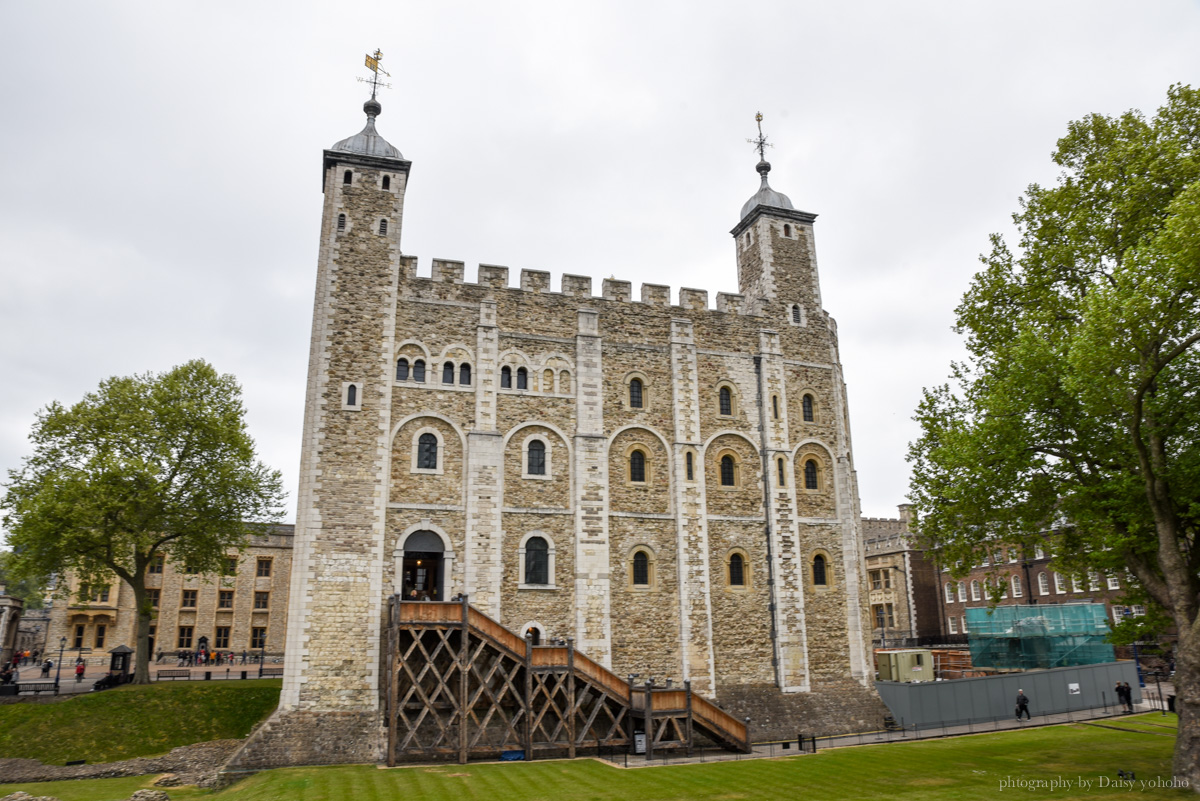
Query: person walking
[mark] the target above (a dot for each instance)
(80, 668)
(1022, 704)
(47, 666)
(1128, 696)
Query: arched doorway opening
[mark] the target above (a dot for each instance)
(423, 568)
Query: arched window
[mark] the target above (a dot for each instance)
(728, 471)
(949, 592)
(641, 569)
(506, 377)
(818, 571)
(419, 371)
(341, 222)
(537, 458)
(537, 561)
(962, 592)
(347, 176)
(782, 475)
(637, 466)
(351, 395)
(726, 401)
(427, 448)
(737, 570)
(807, 405)
(402, 369)
(387, 182)
(448, 373)
(635, 393)
(796, 313)
(810, 474)
(787, 230)
(1016, 587)
(1043, 584)
(522, 378)
(775, 406)
(976, 593)
(464, 375)
(382, 227)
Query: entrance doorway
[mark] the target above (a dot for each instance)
(423, 570)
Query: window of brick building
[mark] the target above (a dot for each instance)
(258, 637)
(185, 637)
(231, 565)
(262, 600)
(156, 564)
(78, 637)
(101, 631)
(225, 599)
(264, 567)
(221, 637)
(188, 600)
(154, 596)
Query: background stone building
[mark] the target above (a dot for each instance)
(902, 583)
(671, 485)
(244, 609)
(10, 621)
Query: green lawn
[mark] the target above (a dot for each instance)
(134, 721)
(959, 769)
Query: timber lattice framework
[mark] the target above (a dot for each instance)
(463, 686)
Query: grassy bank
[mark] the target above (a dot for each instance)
(960, 769)
(134, 721)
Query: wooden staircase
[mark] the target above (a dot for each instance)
(462, 686)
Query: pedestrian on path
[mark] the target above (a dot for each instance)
(80, 668)
(1022, 705)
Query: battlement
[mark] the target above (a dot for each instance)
(491, 276)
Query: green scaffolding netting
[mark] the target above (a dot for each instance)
(1033, 637)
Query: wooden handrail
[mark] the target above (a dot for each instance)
(549, 656)
(663, 700)
(717, 718)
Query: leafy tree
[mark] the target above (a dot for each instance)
(145, 466)
(29, 590)
(1077, 414)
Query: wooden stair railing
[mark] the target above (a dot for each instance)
(565, 701)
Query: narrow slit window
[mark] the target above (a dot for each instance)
(382, 227)
(787, 230)
(341, 222)
(728, 471)
(448, 373)
(737, 571)
(782, 474)
(464, 375)
(522, 378)
(796, 314)
(775, 406)
(726, 399)
(387, 182)
(427, 452)
(419, 371)
(506, 378)
(347, 177)
(810, 474)
(818, 571)
(691, 470)
(641, 569)
(537, 458)
(637, 466)
(635, 393)
(807, 406)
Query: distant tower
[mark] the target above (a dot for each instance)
(337, 589)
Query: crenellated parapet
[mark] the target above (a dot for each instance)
(490, 276)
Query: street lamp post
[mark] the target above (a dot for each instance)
(62, 646)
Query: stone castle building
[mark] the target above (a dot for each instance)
(243, 609)
(670, 485)
(902, 582)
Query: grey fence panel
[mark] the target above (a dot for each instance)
(987, 698)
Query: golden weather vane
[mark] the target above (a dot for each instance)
(372, 63)
(761, 143)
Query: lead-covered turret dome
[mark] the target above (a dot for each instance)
(368, 142)
(766, 196)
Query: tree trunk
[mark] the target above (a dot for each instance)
(1186, 765)
(141, 669)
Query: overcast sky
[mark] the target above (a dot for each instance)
(162, 167)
